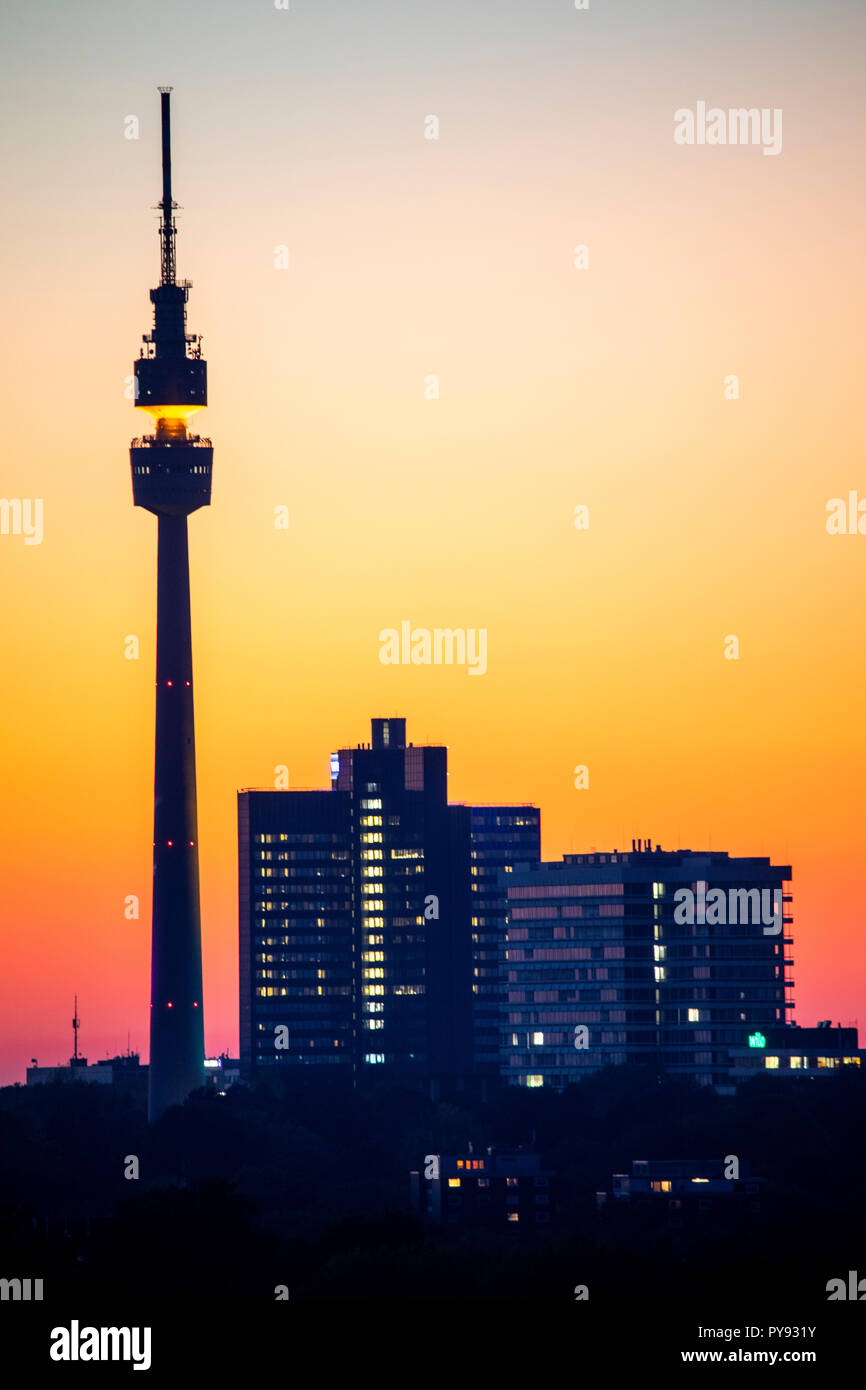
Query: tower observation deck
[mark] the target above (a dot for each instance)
(171, 477)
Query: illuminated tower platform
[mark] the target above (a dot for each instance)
(171, 477)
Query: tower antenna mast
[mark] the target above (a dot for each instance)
(167, 228)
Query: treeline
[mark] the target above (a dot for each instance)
(305, 1184)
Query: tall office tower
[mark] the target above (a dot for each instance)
(171, 477)
(503, 838)
(412, 902)
(354, 910)
(647, 956)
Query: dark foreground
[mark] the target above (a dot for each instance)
(305, 1190)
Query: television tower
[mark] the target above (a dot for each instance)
(171, 477)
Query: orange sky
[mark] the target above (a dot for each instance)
(558, 387)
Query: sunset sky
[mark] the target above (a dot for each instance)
(559, 387)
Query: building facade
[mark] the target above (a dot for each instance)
(503, 838)
(645, 956)
(296, 929)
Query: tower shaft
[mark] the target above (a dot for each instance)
(176, 1019)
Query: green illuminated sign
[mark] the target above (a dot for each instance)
(757, 1040)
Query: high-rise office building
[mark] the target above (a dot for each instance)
(644, 956)
(412, 901)
(171, 477)
(355, 911)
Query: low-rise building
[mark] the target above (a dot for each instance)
(124, 1071)
(222, 1072)
(795, 1051)
(489, 1188)
(697, 1183)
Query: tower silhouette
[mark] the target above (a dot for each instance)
(171, 477)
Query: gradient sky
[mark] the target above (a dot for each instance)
(604, 387)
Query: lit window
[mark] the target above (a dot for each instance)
(771, 1062)
(453, 1182)
(374, 1056)
(513, 1216)
(535, 1080)
(538, 1040)
(694, 1015)
(662, 1185)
